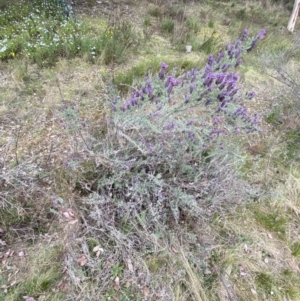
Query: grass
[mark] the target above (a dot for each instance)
(61, 240)
(42, 275)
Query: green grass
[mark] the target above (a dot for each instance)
(167, 25)
(44, 272)
(23, 35)
(273, 221)
(295, 248)
(124, 79)
(265, 282)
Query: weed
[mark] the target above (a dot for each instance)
(155, 12)
(116, 271)
(43, 273)
(274, 117)
(292, 140)
(167, 25)
(272, 221)
(295, 248)
(241, 14)
(147, 22)
(265, 282)
(120, 37)
(211, 24)
(193, 24)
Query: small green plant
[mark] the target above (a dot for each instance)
(265, 282)
(117, 271)
(193, 24)
(211, 24)
(241, 14)
(119, 38)
(295, 248)
(274, 117)
(292, 140)
(155, 12)
(167, 25)
(272, 221)
(147, 22)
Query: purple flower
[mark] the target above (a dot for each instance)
(170, 126)
(237, 43)
(211, 60)
(238, 52)
(162, 71)
(208, 101)
(220, 56)
(220, 78)
(261, 35)
(244, 35)
(250, 95)
(222, 95)
(164, 65)
(133, 101)
(167, 82)
(230, 52)
(174, 81)
(222, 85)
(209, 79)
(170, 89)
(144, 90)
(149, 87)
(233, 92)
(207, 70)
(225, 67)
(238, 62)
(191, 136)
(192, 87)
(217, 121)
(230, 85)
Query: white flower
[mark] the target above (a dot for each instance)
(3, 48)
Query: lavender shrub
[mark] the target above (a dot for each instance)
(166, 142)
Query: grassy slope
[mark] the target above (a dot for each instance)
(247, 252)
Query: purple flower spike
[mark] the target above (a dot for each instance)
(174, 81)
(220, 78)
(207, 70)
(162, 71)
(225, 67)
(208, 101)
(250, 95)
(164, 65)
(238, 62)
(220, 56)
(170, 88)
(244, 35)
(170, 126)
(149, 87)
(192, 87)
(211, 60)
(167, 82)
(261, 35)
(209, 79)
